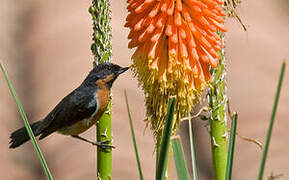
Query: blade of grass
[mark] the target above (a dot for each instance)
(269, 132)
(231, 147)
(27, 125)
(193, 157)
(133, 138)
(165, 142)
(180, 161)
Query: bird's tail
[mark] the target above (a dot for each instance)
(21, 135)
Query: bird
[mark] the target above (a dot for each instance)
(77, 111)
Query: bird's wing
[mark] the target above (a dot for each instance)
(78, 105)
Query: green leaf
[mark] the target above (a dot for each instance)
(193, 157)
(269, 132)
(180, 161)
(133, 138)
(27, 125)
(165, 142)
(231, 148)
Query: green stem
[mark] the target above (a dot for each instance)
(192, 147)
(217, 97)
(104, 157)
(27, 126)
(133, 138)
(269, 132)
(231, 147)
(101, 49)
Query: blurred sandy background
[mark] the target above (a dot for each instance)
(45, 46)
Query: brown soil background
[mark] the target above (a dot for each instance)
(45, 45)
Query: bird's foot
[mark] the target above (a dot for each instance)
(103, 144)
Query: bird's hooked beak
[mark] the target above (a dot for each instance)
(122, 70)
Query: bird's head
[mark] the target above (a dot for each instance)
(104, 74)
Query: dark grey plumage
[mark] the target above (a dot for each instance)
(80, 104)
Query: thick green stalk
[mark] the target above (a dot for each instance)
(101, 49)
(104, 157)
(217, 98)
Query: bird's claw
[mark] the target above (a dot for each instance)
(103, 144)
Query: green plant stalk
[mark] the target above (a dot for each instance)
(165, 142)
(133, 138)
(27, 125)
(217, 98)
(104, 157)
(231, 147)
(269, 132)
(101, 49)
(193, 157)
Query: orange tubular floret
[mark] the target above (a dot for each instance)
(169, 29)
(210, 14)
(203, 56)
(218, 48)
(161, 20)
(150, 28)
(183, 49)
(159, 49)
(177, 18)
(219, 11)
(218, 25)
(152, 50)
(179, 5)
(174, 36)
(155, 10)
(142, 7)
(213, 61)
(182, 32)
(196, 2)
(206, 71)
(214, 34)
(157, 34)
(162, 64)
(148, 1)
(143, 36)
(213, 53)
(138, 25)
(164, 6)
(196, 34)
(210, 3)
(172, 49)
(133, 43)
(206, 24)
(135, 18)
(186, 14)
(190, 39)
(171, 7)
(220, 2)
(134, 5)
(193, 59)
